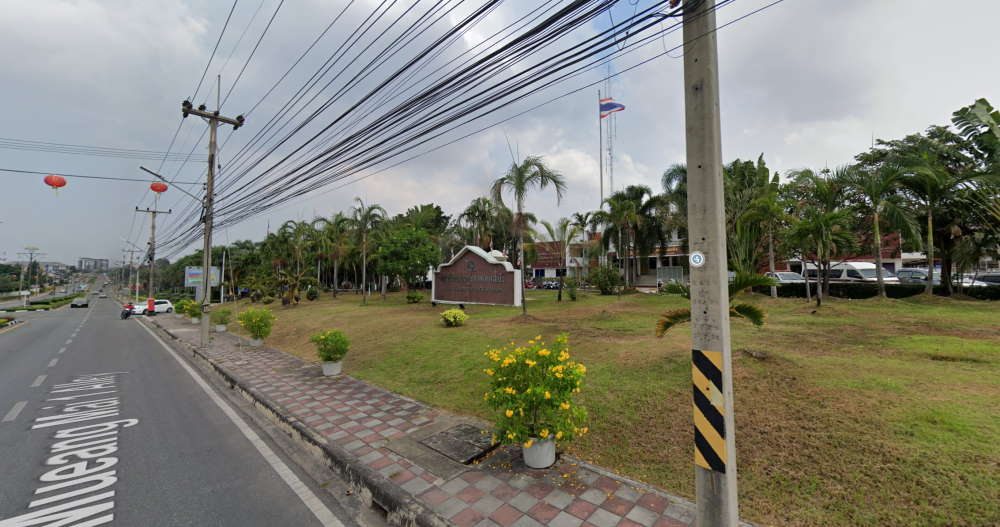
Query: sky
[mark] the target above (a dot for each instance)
(806, 83)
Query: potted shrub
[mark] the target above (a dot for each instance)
(181, 307)
(454, 317)
(331, 347)
(414, 297)
(220, 318)
(312, 294)
(267, 299)
(194, 312)
(531, 388)
(258, 323)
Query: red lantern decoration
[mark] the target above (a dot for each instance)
(55, 181)
(158, 187)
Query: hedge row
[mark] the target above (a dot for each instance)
(860, 291)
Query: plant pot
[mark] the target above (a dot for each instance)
(195, 320)
(256, 342)
(220, 328)
(541, 454)
(331, 368)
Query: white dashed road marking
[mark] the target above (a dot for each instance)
(322, 513)
(69, 341)
(62, 349)
(38, 381)
(12, 414)
(53, 362)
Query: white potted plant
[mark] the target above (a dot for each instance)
(531, 387)
(221, 318)
(331, 347)
(258, 323)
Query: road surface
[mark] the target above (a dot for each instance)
(100, 423)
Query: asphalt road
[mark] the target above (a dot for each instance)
(163, 445)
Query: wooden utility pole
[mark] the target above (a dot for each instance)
(715, 445)
(151, 254)
(213, 119)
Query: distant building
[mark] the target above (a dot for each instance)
(92, 264)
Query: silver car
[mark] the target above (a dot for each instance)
(786, 277)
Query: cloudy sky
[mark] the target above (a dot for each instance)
(806, 82)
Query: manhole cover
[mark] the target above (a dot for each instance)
(461, 443)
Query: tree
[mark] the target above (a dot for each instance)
(875, 192)
(365, 218)
(561, 234)
(336, 233)
(407, 252)
(520, 179)
(739, 283)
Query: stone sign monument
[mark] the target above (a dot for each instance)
(474, 276)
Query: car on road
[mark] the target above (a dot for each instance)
(786, 277)
(102, 295)
(80, 301)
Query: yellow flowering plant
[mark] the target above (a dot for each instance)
(331, 345)
(531, 388)
(257, 322)
(454, 317)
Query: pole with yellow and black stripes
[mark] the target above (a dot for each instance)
(711, 370)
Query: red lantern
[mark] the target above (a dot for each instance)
(55, 181)
(157, 187)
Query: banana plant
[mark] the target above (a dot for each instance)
(740, 282)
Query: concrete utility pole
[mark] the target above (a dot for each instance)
(131, 271)
(213, 119)
(30, 252)
(152, 247)
(711, 368)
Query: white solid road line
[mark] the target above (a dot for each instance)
(12, 414)
(53, 362)
(322, 513)
(38, 381)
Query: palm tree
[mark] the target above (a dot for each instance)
(561, 234)
(335, 234)
(740, 282)
(298, 238)
(365, 218)
(877, 192)
(932, 185)
(479, 217)
(519, 180)
(823, 233)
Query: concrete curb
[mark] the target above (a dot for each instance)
(401, 509)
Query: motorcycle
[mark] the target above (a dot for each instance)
(126, 313)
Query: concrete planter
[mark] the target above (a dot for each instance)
(331, 368)
(541, 454)
(195, 320)
(256, 342)
(220, 328)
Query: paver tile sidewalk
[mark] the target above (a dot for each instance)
(499, 491)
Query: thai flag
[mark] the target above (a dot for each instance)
(608, 106)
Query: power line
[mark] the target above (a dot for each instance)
(109, 178)
(99, 151)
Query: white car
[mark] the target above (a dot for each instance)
(162, 306)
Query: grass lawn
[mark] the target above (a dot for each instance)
(867, 412)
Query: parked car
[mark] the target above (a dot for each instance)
(161, 306)
(855, 272)
(989, 278)
(916, 275)
(80, 301)
(786, 277)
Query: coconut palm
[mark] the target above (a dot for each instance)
(479, 217)
(365, 219)
(336, 233)
(876, 192)
(520, 179)
(561, 234)
(739, 283)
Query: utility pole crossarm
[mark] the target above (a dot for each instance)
(187, 108)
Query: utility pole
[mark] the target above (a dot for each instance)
(711, 368)
(131, 271)
(30, 252)
(152, 247)
(213, 119)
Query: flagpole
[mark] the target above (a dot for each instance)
(600, 148)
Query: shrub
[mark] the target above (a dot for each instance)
(454, 317)
(868, 290)
(267, 299)
(221, 317)
(571, 286)
(414, 297)
(531, 388)
(189, 308)
(181, 306)
(605, 278)
(312, 294)
(257, 322)
(331, 345)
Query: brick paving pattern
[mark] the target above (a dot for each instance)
(499, 491)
